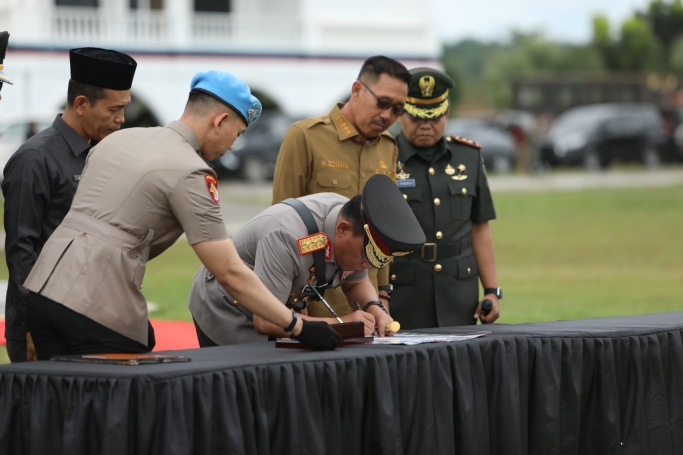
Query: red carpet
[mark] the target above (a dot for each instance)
(170, 335)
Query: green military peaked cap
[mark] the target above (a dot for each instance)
(428, 93)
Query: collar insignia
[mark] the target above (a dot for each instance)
(312, 243)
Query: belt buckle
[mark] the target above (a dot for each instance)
(422, 253)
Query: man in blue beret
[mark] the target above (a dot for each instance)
(141, 189)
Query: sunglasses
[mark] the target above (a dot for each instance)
(396, 109)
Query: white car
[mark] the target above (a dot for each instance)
(13, 134)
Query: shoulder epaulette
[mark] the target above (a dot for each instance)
(311, 121)
(464, 141)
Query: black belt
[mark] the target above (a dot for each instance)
(430, 252)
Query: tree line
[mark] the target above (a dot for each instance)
(650, 41)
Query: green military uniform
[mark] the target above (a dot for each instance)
(438, 285)
(446, 186)
(327, 154)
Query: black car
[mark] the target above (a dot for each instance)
(596, 135)
(254, 153)
(497, 144)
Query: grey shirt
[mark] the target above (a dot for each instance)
(268, 245)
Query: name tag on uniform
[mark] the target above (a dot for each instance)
(406, 183)
(77, 178)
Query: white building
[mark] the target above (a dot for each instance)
(302, 54)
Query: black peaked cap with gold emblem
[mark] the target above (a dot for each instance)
(428, 93)
(390, 224)
(4, 41)
(102, 68)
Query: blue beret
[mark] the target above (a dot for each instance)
(229, 90)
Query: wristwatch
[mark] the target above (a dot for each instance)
(388, 288)
(498, 292)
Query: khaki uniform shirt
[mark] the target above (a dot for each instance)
(268, 245)
(326, 153)
(141, 188)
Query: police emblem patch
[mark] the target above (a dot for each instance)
(212, 187)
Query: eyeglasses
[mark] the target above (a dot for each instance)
(396, 109)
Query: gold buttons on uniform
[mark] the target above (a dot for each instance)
(405, 196)
(464, 191)
(393, 277)
(437, 201)
(439, 234)
(362, 174)
(431, 171)
(448, 139)
(468, 270)
(235, 302)
(335, 181)
(327, 120)
(437, 268)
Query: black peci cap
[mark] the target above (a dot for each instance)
(428, 93)
(102, 68)
(390, 225)
(4, 41)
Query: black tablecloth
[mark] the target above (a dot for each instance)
(600, 386)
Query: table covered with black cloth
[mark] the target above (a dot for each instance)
(599, 386)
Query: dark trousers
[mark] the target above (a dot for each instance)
(58, 330)
(204, 341)
(16, 350)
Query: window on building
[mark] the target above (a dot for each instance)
(213, 6)
(90, 3)
(146, 4)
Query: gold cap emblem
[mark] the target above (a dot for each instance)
(427, 85)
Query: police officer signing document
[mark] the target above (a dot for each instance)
(41, 178)
(302, 247)
(444, 181)
(141, 189)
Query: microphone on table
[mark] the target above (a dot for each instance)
(486, 307)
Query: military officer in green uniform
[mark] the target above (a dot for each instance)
(444, 181)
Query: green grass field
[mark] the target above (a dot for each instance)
(560, 255)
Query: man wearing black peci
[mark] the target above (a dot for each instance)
(41, 178)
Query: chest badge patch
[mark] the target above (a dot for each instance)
(382, 164)
(450, 170)
(400, 175)
(212, 187)
(461, 172)
(312, 243)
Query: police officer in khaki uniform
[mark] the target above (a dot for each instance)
(141, 189)
(278, 245)
(444, 181)
(338, 152)
(4, 41)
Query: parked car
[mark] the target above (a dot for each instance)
(596, 135)
(254, 153)
(497, 144)
(15, 133)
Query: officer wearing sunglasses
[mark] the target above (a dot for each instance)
(338, 152)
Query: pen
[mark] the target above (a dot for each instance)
(322, 299)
